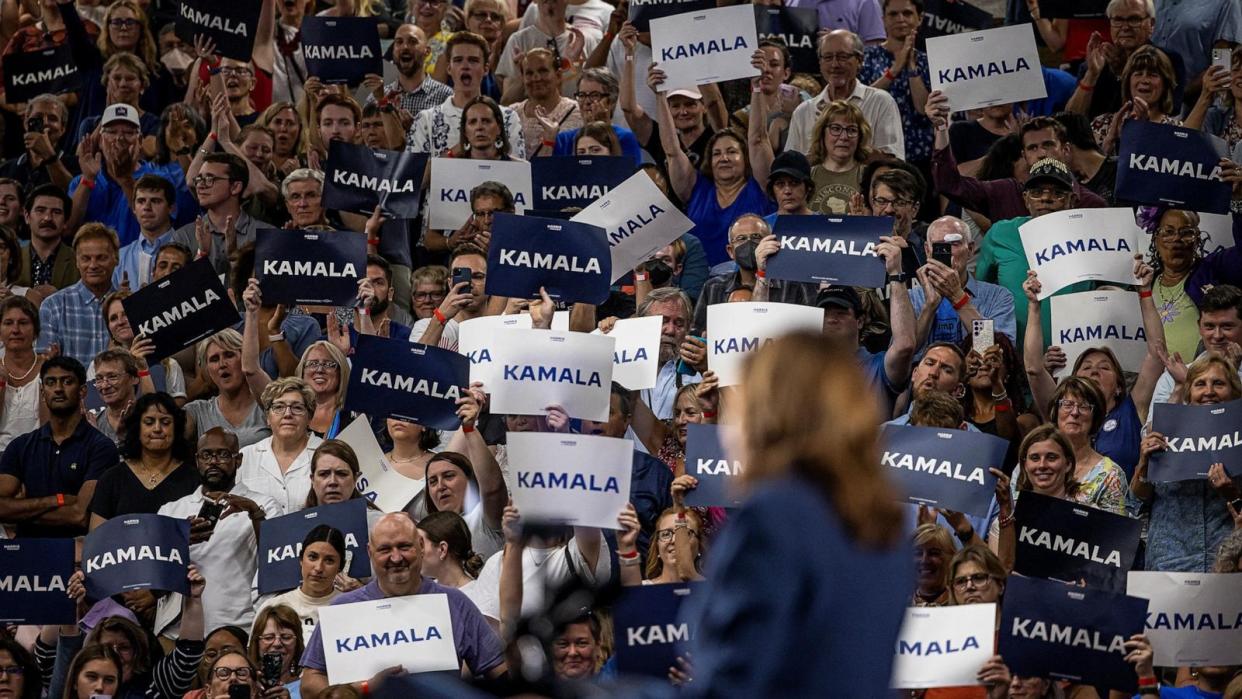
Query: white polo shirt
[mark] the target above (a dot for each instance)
(878, 109)
(260, 473)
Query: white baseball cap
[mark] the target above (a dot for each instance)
(120, 112)
(690, 92)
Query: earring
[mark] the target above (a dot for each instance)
(466, 146)
(499, 143)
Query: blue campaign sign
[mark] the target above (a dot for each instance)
(34, 574)
(717, 474)
(231, 25)
(576, 181)
(48, 70)
(1160, 164)
(1068, 542)
(835, 249)
(943, 468)
(1050, 629)
(1198, 436)
(649, 631)
(342, 49)
(407, 380)
(569, 259)
(136, 552)
(309, 267)
(643, 11)
(798, 27)
(941, 17)
(280, 542)
(358, 178)
(181, 309)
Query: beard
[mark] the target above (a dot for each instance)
(668, 351)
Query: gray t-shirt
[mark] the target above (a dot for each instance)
(206, 414)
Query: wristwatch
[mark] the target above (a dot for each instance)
(900, 278)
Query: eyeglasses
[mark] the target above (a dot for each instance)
(235, 70)
(1048, 193)
(837, 130)
(838, 57)
(108, 379)
(294, 409)
(208, 456)
(123, 23)
(223, 673)
(1176, 233)
(428, 295)
(432, 2)
(11, 671)
(666, 535)
(1071, 406)
(271, 637)
(122, 649)
(207, 179)
(489, 16)
(120, 133)
(1130, 21)
(962, 582)
(484, 214)
(590, 96)
(752, 238)
(881, 202)
(328, 364)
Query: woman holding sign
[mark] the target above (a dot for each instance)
(121, 334)
(976, 576)
(234, 407)
(1190, 519)
(411, 452)
(1147, 84)
(676, 551)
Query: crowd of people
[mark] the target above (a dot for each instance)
(170, 153)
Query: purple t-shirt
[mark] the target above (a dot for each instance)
(476, 643)
(863, 17)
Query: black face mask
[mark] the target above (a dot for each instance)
(660, 272)
(744, 255)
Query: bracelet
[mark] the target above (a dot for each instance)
(1003, 406)
(278, 337)
(709, 415)
(60, 499)
(888, 75)
(144, 373)
(1006, 522)
(373, 242)
(681, 518)
(1003, 395)
(467, 429)
(609, 35)
(1145, 294)
(364, 311)
(961, 303)
(549, 144)
(440, 317)
(1148, 682)
(628, 556)
(201, 254)
(2, 383)
(88, 182)
(630, 561)
(366, 688)
(641, 276)
(212, 136)
(1085, 87)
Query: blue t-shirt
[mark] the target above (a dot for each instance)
(1120, 435)
(711, 223)
(108, 205)
(300, 332)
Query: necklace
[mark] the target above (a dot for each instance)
(156, 473)
(33, 364)
(412, 459)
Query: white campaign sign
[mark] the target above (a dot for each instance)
(533, 369)
(987, 67)
(943, 646)
(702, 47)
(734, 330)
(1081, 245)
(638, 219)
(362, 638)
(575, 479)
(1193, 618)
(1100, 318)
(477, 337)
(1217, 232)
(453, 178)
(380, 483)
(636, 359)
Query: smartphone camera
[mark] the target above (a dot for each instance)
(35, 124)
(943, 253)
(271, 669)
(461, 275)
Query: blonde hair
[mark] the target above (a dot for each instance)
(228, 339)
(288, 384)
(1200, 366)
(96, 231)
(342, 368)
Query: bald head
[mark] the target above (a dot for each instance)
(218, 458)
(946, 225)
(218, 436)
(396, 554)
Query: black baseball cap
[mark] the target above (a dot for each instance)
(841, 297)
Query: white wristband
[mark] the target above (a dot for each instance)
(278, 337)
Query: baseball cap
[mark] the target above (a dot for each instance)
(790, 163)
(691, 92)
(1049, 171)
(120, 112)
(841, 297)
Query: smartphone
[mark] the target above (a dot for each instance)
(271, 669)
(943, 253)
(239, 691)
(34, 123)
(983, 334)
(1220, 57)
(210, 511)
(461, 275)
(685, 369)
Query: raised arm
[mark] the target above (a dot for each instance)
(1042, 383)
(640, 122)
(1157, 350)
(760, 146)
(681, 173)
(627, 547)
(264, 54)
(900, 354)
(256, 378)
(469, 441)
(511, 574)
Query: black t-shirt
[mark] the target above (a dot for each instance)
(970, 141)
(119, 492)
(1105, 180)
(697, 150)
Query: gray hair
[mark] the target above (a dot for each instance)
(46, 98)
(954, 223)
(299, 175)
(605, 78)
(1148, 6)
(855, 40)
(662, 295)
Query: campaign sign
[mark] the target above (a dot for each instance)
(231, 25)
(34, 574)
(309, 267)
(576, 181)
(703, 47)
(280, 542)
(1216, 229)
(637, 219)
(358, 178)
(136, 552)
(1065, 632)
(569, 260)
(1081, 245)
(45, 71)
(1102, 318)
(477, 338)
(1072, 9)
(636, 357)
(987, 67)
(1198, 436)
(1166, 165)
(941, 17)
(945, 469)
(943, 646)
(537, 368)
(734, 330)
(577, 479)
(1192, 618)
(342, 49)
(394, 243)
(650, 631)
(407, 381)
(453, 178)
(362, 638)
(835, 249)
(1068, 542)
(379, 482)
(643, 11)
(719, 476)
(180, 309)
(797, 27)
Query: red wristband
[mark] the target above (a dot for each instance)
(961, 303)
(761, 274)
(1002, 406)
(144, 373)
(366, 689)
(549, 144)
(709, 415)
(1085, 87)
(60, 499)
(440, 317)
(1148, 682)
(628, 556)
(888, 74)
(641, 276)
(1145, 294)
(467, 428)
(373, 242)
(88, 182)
(2, 383)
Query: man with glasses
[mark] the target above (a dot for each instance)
(48, 476)
(111, 162)
(461, 303)
(224, 226)
(861, 17)
(224, 546)
(1130, 26)
(597, 95)
(302, 191)
(840, 59)
(413, 90)
(486, 199)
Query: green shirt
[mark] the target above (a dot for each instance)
(1179, 316)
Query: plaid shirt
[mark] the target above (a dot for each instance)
(72, 318)
(429, 94)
